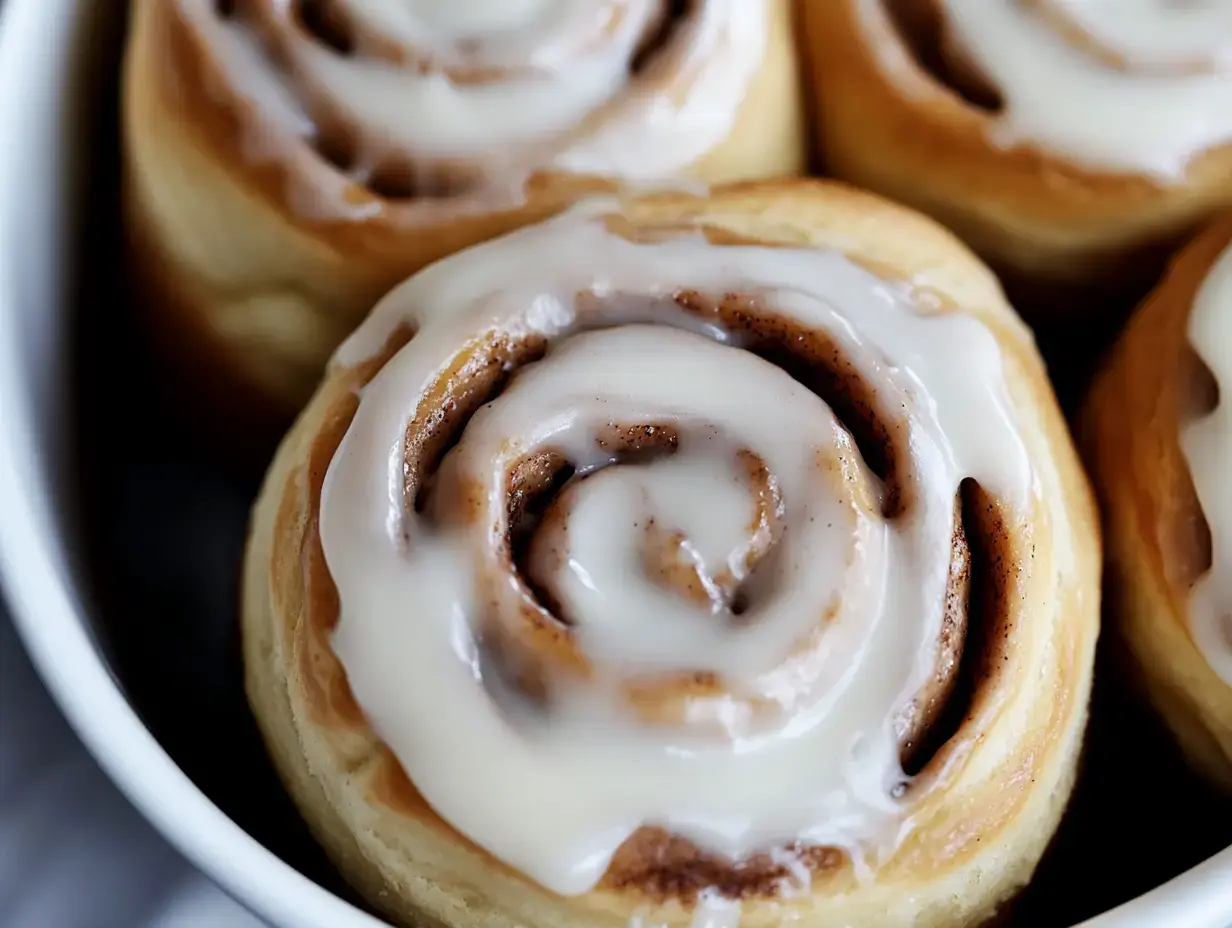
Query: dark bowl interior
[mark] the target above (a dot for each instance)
(163, 528)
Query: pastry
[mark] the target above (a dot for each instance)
(681, 560)
(1072, 143)
(288, 162)
(1157, 432)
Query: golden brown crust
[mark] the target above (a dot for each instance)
(264, 290)
(988, 801)
(1158, 539)
(916, 136)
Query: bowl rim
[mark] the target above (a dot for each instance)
(37, 41)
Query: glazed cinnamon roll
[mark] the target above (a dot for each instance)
(1158, 431)
(1070, 141)
(676, 559)
(290, 160)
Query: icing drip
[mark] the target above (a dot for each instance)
(702, 474)
(1208, 446)
(473, 93)
(1133, 85)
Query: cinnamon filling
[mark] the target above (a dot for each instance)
(1187, 532)
(659, 39)
(922, 26)
(815, 360)
(392, 179)
(662, 866)
(326, 22)
(1203, 398)
(987, 608)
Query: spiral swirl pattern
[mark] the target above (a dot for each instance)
(465, 100)
(1136, 86)
(667, 533)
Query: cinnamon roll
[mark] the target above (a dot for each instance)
(681, 558)
(1158, 432)
(1073, 143)
(290, 160)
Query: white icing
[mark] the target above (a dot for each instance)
(430, 115)
(1168, 98)
(463, 19)
(240, 54)
(1154, 33)
(1208, 446)
(839, 638)
(726, 45)
(554, 85)
(714, 911)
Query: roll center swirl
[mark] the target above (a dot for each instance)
(666, 545)
(440, 101)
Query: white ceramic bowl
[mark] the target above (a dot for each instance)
(48, 74)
